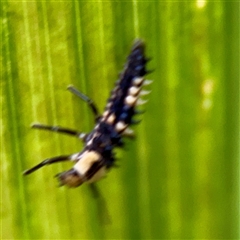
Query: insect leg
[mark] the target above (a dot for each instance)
(60, 130)
(47, 162)
(86, 99)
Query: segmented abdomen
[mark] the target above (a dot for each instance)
(125, 96)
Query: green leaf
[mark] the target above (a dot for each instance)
(179, 178)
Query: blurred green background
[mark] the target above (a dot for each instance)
(180, 178)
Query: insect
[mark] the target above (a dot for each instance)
(97, 156)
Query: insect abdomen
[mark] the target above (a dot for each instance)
(125, 96)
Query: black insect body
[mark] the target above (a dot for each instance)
(97, 156)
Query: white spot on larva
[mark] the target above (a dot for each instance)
(147, 82)
(138, 81)
(105, 114)
(75, 157)
(133, 90)
(109, 105)
(141, 101)
(144, 92)
(120, 126)
(128, 132)
(89, 142)
(94, 135)
(82, 135)
(87, 160)
(113, 95)
(130, 100)
(111, 119)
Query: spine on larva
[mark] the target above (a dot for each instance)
(124, 98)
